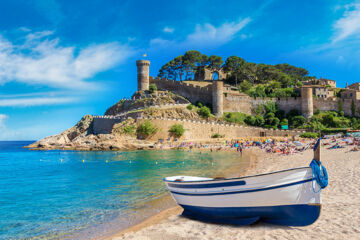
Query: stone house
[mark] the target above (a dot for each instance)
(355, 86)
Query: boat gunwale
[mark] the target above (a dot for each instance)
(227, 179)
(231, 192)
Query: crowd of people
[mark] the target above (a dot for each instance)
(283, 146)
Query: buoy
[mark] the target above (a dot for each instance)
(129, 161)
(155, 162)
(40, 160)
(83, 160)
(106, 161)
(60, 159)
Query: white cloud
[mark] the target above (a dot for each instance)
(161, 42)
(168, 30)
(36, 101)
(205, 35)
(43, 61)
(349, 24)
(208, 33)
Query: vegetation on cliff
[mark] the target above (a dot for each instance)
(240, 73)
(146, 129)
(177, 130)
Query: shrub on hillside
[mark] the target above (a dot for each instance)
(250, 120)
(153, 87)
(235, 117)
(217, 135)
(284, 122)
(309, 135)
(204, 112)
(177, 130)
(190, 107)
(146, 129)
(129, 130)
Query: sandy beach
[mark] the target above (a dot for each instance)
(339, 219)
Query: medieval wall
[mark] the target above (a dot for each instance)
(198, 130)
(195, 129)
(190, 91)
(333, 105)
(238, 102)
(245, 104)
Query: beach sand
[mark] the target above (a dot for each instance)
(339, 219)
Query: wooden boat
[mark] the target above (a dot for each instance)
(290, 197)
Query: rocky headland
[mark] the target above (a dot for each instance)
(123, 136)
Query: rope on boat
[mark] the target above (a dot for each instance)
(319, 174)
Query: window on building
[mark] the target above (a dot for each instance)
(350, 94)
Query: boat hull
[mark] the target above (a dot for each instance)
(289, 197)
(288, 215)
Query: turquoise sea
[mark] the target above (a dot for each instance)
(79, 194)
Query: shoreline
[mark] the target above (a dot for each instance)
(340, 214)
(252, 158)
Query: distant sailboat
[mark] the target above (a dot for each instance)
(290, 197)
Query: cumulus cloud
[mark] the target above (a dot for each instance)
(349, 24)
(168, 30)
(42, 60)
(205, 35)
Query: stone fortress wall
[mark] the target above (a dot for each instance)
(233, 101)
(195, 129)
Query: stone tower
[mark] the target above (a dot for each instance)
(307, 109)
(217, 98)
(143, 74)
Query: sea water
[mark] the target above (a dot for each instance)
(73, 194)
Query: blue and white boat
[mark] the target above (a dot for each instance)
(290, 197)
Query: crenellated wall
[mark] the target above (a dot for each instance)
(195, 129)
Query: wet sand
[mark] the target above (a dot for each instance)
(339, 219)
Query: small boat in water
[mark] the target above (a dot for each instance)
(290, 197)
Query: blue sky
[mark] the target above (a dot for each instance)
(60, 60)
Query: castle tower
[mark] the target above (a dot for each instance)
(217, 98)
(143, 74)
(307, 108)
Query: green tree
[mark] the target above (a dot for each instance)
(245, 86)
(353, 109)
(215, 63)
(177, 130)
(192, 60)
(233, 65)
(259, 120)
(270, 107)
(340, 106)
(250, 120)
(298, 121)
